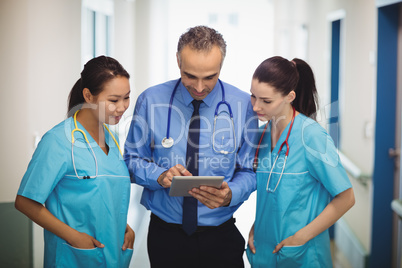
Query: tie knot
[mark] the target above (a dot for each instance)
(196, 104)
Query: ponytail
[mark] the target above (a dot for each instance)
(286, 76)
(306, 101)
(96, 73)
(75, 98)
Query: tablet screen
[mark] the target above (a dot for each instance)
(182, 184)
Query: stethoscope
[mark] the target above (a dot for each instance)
(168, 141)
(87, 141)
(255, 164)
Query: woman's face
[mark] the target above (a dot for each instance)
(113, 100)
(268, 103)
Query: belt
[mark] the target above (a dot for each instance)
(175, 226)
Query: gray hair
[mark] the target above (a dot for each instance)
(201, 38)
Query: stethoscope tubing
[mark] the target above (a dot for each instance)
(255, 163)
(170, 108)
(89, 144)
(223, 101)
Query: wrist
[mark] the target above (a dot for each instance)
(72, 236)
(228, 198)
(301, 237)
(161, 177)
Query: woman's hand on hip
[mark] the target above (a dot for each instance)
(129, 237)
(251, 240)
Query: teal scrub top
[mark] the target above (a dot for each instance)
(97, 207)
(313, 175)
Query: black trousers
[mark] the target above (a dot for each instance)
(169, 246)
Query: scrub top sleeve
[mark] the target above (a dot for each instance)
(244, 179)
(323, 160)
(137, 150)
(46, 168)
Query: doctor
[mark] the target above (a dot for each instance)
(160, 141)
(298, 171)
(78, 172)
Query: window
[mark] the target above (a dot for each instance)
(96, 29)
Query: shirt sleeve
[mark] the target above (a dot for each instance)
(323, 160)
(137, 150)
(244, 179)
(46, 168)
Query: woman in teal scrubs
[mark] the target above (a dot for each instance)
(81, 178)
(294, 192)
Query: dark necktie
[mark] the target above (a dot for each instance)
(190, 203)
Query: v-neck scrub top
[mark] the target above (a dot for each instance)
(312, 175)
(97, 207)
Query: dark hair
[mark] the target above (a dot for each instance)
(95, 74)
(201, 38)
(286, 76)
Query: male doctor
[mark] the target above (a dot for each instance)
(196, 231)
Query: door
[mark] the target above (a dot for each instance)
(383, 251)
(334, 130)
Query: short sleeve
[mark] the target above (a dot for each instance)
(46, 168)
(323, 160)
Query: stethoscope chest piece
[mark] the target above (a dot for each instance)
(167, 142)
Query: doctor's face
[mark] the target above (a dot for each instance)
(267, 102)
(199, 70)
(113, 100)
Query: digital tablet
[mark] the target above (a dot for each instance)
(182, 184)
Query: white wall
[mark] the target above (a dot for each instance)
(40, 52)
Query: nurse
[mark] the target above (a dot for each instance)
(294, 188)
(81, 178)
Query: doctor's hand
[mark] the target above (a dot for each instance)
(129, 237)
(84, 241)
(213, 197)
(165, 179)
(290, 241)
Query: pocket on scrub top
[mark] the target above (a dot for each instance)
(76, 257)
(292, 256)
(287, 195)
(126, 257)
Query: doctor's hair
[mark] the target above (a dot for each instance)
(201, 38)
(96, 73)
(286, 76)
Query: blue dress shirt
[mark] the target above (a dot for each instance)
(147, 159)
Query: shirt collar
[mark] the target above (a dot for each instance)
(208, 100)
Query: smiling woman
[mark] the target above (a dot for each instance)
(63, 176)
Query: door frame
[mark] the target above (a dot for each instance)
(336, 73)
(383, 173)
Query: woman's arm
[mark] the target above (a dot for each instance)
(332, 212)
(42, 216)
